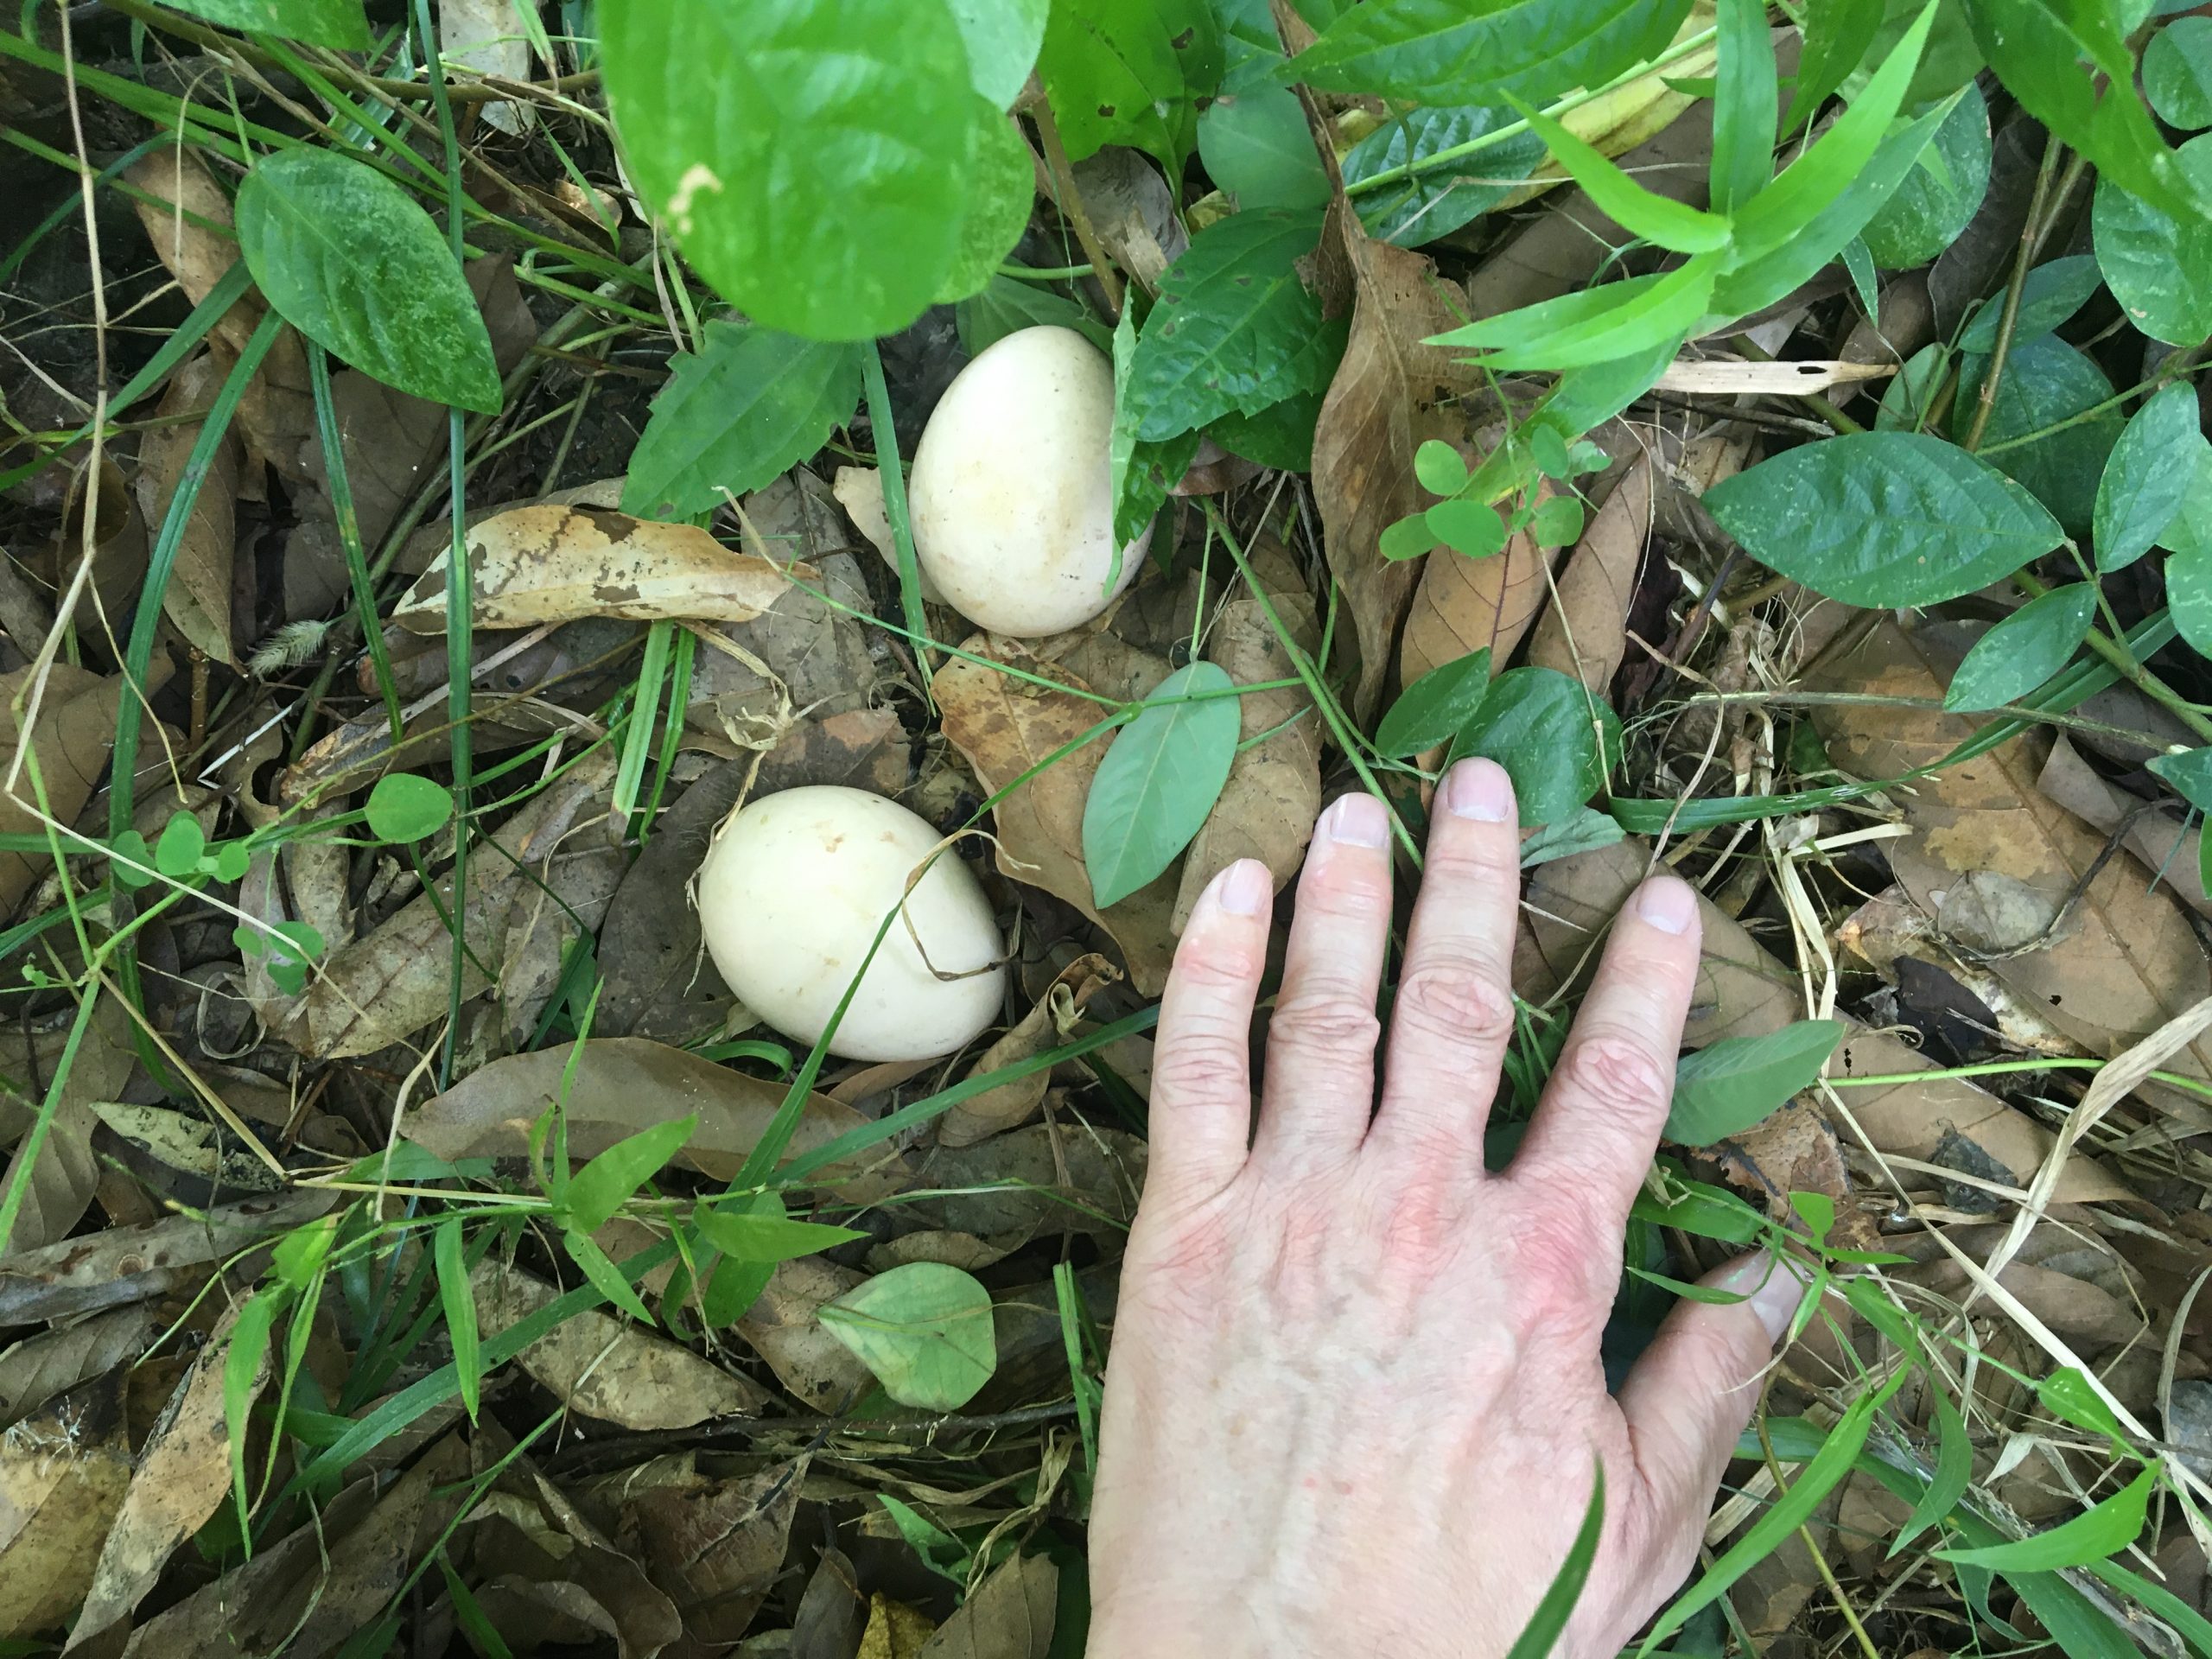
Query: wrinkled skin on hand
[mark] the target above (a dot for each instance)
(1355, 1402)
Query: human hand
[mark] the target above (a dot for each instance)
(1355, 1402)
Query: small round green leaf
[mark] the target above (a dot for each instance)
(1557, 521)
(1435, 707)
(176, 855)
(1408, 538)
(2148, 476)
(1940, 195)
(2158, 267)
(2178, 72)
(135, 873)
(1160, 778)
(2024, 650)
(1439, 468)
(231, 860)
(1545, 728)
(405, 807)
(924, 1329)
(354, 262)
(1468, 527)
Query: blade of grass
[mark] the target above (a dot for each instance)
(349, 534)
(894, 503)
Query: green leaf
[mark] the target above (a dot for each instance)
(1658, 220)
(1281, 436)
(2177, 73)
(1725, 1087)
(290, 947)
(1953, 1471)
(1545, 728)
(301, 1254)
(940, 1551)
(2195, 1628)
(131, 845)
(2023, 651)
(1409, 208)
(1008, 304)
(605, 1277)
(176, 855)
(1257, 147)
(405, 807)
(450, 1256)
(233, 860)
(734, 1287)
(924, 1329)
(2188, 596)
(1942, 193)
(242, 1364)
(1140, 474)
(1883, 518)
(1130, 72)
(353, 263)
(2090, 1536)
(2067, 63)
(1747, 98)
(1002, 193)
(2191, 774)
(1837, 36)
(1584, 831)
(1472, 51)
(2046, 383)
(810, 157)
(1541, 1633)
(1002, 37)
(2068, 1395)
(1472, 528)
(1235, 328)
(746, 408)
(1433, 709)
(1160, 778)
(2054, 291)
(1408, 538)
(2148, 476)
(1557, 521)
(1596, 326)
(746, 1235)
(2158, 265)
(1910, 398)
(604, 1184)
(338, 23)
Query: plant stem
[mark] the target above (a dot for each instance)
(2133, 672)
(1060, 180)
(2022, 262)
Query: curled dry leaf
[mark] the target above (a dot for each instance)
(66, 1172)
(198, 597)
(555, 564)
(489, 37)
(860, 492)
(783, 1329)
(119, 538)
(1044, 1026)
(71, 742)
(606, 1367)
(554, 1581)
(1585, 632)
(1131, 213)
(63, 1471)
(1005, 727)
(1268, 807)
(37, 1369)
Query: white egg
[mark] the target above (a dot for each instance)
(1012, 495)
(790, 895)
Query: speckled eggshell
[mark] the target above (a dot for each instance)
(1012, 494)
(790, 895)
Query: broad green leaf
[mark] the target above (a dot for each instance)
(744, 1236)
(1942, 193)
(1725, 1087)
(2047, 384)
(1160, 778)
(338, 23)
(1236, 327)
(1584, 831)
(1883, 518)
(1541, 1633)
(2067, 63)
(606, 1278)
(1471, 51)
(1281, 436)
(1002, 37)
(605, 1183)
(353, 263)
(2195, 1628)
(2148, 476)
(1837, 36)
(924, 1329)
(1410, 208)
(1257, 147)
(242, 1377)
(2191, 774)
(2158, 265)
(810, 157)
(2090, 1536)
(1002, 193)
(2191, 533)
(1140, 474)
(459, 1299)
(1597, 326)
(405, 807)
(1555, 738)
(176, 855)
(2068, 1395)
(1408, 538)
(1008, 304)
(1584, 398)
(1909, 400)
(1130, 72)
(734, 1287)
(2177, 73)
(1747, 98)
(1472, 528)
(2188, 596)
(1557, 521)
(1953, 1471)
(2023, 651)
(2054, 291)
(1660, 220)
(1433, 709)
(746, 408)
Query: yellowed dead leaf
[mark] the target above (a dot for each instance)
(1466, 604)
(894, 1630)
(63, 1470)
(1724, 375)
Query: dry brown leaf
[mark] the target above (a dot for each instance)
(72, 742)
(622, 1085)
(1132, 212)
(1726, 375)
(1463, 605)
(54, 1362)
(2162, 845)
(198, 598)
(558, 1581)
(62, 1475)
(555, 564)
(781, 1327)
(1585, 632)
(860, 492)
(715, 1546)
(1009, 1616)
(183, 1473)
(1388, 397)
(119, 551)
(63, 1178)
(1074, 1179)
(1268, 808)
(1044, 1026)
(1005, 727)
(606, 1367)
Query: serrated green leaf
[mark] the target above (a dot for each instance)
(1554, 737)
(353, 263)
(1140, 473)
(1725, 1087)
(1130, 72)
(1435, 707)
(2158, 265)
(2023, 651)
(2148, 476)
(2047, 384)
(604, 1184)
(1940, 195)
(2054, 291)
(2191, 774)
(1235, 328)
(2090, 1536)
(924, 1329)
(2177, 73)
(176, 855)
(743, 1235)
(1747, 98)
(1414, 208)
(337, 24)
(1473, 51)
(1660, 220)
(810, 157)
(1002, 38)
(606, 1278)
(405, 807)
(1883, 518)
(449, 1257)
(1159, 779)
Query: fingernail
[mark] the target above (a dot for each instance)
(1668, 903)
(1356, 819)
(1243, 888)
(1480, 789)
(1772, 1289)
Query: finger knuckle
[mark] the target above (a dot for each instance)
(1613, 1070)
(1202, 1064)
(1470, 861)
(1326, 1022)
(1457, 1000)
